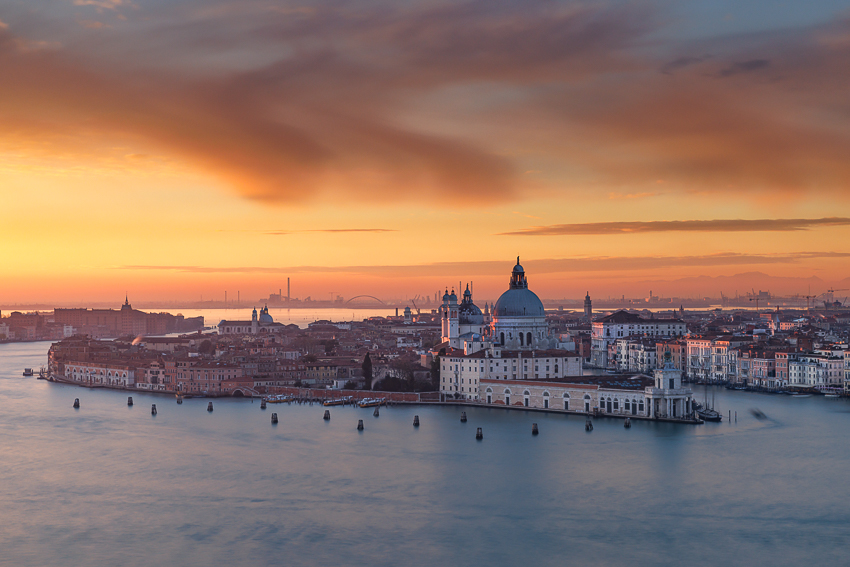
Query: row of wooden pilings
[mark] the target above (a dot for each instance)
(153, 406)
(479, 433)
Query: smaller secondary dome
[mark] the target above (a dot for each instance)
(264, 316)
(469, 313)
(446, 295)
(453, 297)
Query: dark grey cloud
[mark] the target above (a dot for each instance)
(744, 67)
(681, 63)
(715, 225)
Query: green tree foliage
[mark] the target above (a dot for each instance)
(435, 372)
(367, 371)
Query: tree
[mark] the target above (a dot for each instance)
(435, 372)
(206, 347)
(366, 367)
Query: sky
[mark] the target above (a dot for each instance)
(180, 149)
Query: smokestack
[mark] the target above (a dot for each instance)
(238, 296)
(225, 297)
(287, 290)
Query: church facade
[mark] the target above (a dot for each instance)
(506, 356)
(509, 341)
(259, 323)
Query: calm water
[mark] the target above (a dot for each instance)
(300, 317)
(112, 485)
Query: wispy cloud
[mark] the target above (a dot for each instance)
(717, 225)
(328, 230)
(631, 196)
(492, 268)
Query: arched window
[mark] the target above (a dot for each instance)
(528, 340)
(526, 393)
(502, 337)
(520, 339)
(545, 394)
(489, 390)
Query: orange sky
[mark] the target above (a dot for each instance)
(179, 150)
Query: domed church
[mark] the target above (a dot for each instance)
(511, 341)
(517, 320)
(518, 317)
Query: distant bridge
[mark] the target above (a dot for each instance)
(361, 296)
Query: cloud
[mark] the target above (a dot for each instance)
(103, 4)
(327, 230)
(493, 268)
(716, 225)
(681, 63)
(630, 196)
(744, 67)
(425, 101)
(318, 106)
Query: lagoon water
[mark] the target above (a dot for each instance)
(109, 484)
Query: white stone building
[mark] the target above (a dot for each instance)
(667, 398)
(816, 370)
(597, 395)
(623, 324)
(98, 373)
(511, 342)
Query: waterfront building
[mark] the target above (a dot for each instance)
(816, 370)
(635, 355)
(116, 375)
(511, 341)
(662, 397)
(259, 323)
(123, 322)
(461, 373)
(613, 395)
(623, 324)
(667, 398)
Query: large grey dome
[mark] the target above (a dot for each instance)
(519, 302)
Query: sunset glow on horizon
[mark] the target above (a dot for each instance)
(178, 150)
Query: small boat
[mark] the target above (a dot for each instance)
(371, 402)
(338, 401)
(832, 395)
(28, 372)
(708, 414)
(798, 395)
(279, 399)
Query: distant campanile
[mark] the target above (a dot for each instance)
(588, 308)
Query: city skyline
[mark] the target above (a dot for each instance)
(173, 151)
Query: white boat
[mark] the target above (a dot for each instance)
(28, 372)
